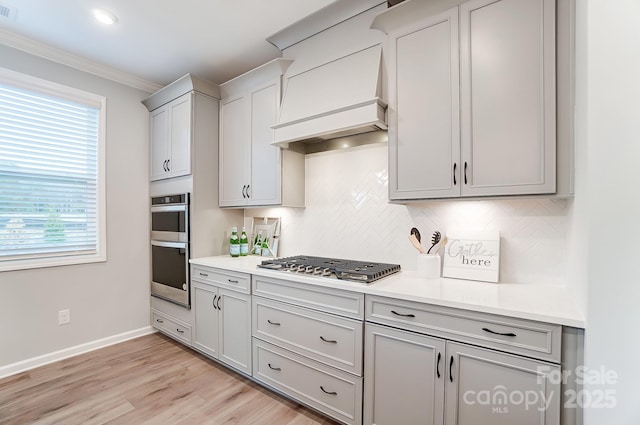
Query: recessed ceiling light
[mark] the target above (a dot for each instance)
(105, 16)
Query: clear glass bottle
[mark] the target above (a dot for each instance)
(244, 243)
(234, 243)
(257, 244)
(265, 248)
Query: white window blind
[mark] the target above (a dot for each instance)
(50, 188)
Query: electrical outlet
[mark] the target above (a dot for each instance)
(64, 317)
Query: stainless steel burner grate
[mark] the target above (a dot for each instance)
(359, 271)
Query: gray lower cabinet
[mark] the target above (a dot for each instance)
(308, 345)
(488, 387)
(422, 375)
(171, 326)
(222, 321)
(403, 376)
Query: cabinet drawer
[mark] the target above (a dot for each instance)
(330, 300)
(519, 336)
(331, 391)
(231, 280)
(171, 327)
(330, 339)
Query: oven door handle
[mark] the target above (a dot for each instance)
(168, 208)
(169, 244)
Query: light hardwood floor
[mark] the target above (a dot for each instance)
(148, 380)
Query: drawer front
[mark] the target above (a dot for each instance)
(231, 280)
(519, 336)
(330, 339)
(171, 327)
(331, 391)
(330, 300)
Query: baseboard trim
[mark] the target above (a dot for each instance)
(55, 356)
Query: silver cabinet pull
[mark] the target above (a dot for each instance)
(332, 341)
(273, 323)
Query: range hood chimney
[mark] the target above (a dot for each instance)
(337, 99)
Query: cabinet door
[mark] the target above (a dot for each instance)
(265, 188)
(233, 152)
(404, 377)
(487, 387)
(180, 136)
(507, 63)
(206, 319)
(159, 128)
(235, 330)
(424, 138)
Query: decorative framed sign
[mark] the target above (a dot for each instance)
(473, 255)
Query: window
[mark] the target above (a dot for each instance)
(51, 174)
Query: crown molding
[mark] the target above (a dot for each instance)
(327, 17)
(33, 47)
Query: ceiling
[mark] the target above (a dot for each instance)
(160, 40)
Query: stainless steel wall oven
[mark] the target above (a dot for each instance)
(170, 248)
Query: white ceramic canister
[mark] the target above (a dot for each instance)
(428, 266)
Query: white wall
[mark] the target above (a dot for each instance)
(613, 131)
(105, 299)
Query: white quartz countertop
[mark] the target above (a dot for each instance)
(545, 303)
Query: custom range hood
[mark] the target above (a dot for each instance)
(337, 99)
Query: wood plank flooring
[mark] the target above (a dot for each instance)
(148, 380)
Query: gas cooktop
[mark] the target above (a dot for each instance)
(359, 271)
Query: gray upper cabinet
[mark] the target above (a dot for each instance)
(472, 98)
(254, 172)
(171, 139)
(180, 124)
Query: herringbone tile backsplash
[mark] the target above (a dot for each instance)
(348, 216)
